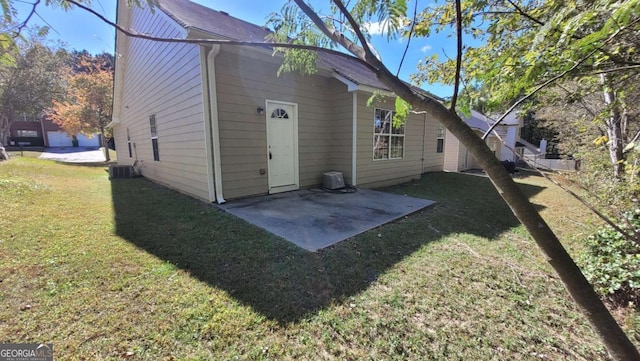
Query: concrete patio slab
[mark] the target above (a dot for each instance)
(315, 219)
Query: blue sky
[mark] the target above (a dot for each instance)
(81, 30)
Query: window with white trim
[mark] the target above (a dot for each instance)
(440, 140)
(154, 137)
(27, 133)
(388, 140)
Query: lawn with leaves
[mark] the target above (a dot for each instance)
(129, 269)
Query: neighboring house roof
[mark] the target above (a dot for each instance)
(479, 121)
(511, 118)
(222, 25)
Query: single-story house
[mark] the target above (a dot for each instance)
(457, 157)
(41, 132)
(217, 122)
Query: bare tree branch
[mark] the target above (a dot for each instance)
(26, 21)
(456, 86)
(613, 70)
(135, 34)
(526, 15)
(406, 48)
(356, 28)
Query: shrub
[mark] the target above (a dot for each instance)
(612, 263)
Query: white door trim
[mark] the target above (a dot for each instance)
(214, 131)
(296, 183)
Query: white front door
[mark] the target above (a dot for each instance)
(282, 146)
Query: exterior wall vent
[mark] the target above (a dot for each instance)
(120, 171)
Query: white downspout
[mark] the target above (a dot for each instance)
(215, 130)
(354, 140)
(208, 144)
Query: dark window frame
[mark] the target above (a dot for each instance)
(440, 140)
(153, 128)
(129, 144)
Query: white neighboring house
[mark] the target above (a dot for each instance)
(62, 139)
(457, 157)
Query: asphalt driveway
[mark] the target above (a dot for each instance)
(74, 154)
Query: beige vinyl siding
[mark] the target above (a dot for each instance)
(495, 144)
(244, 83)
(432, 161)
(454, 153)
(388, 171)
(341, 118)
(472, 163)
(163, 79)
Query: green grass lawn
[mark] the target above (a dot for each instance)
(129, 269)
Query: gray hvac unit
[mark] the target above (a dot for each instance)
(120, 171)
(332, 180)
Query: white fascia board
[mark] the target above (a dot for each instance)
(353, 86)
(113, 122)
(123, 16)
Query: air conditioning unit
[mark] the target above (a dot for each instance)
(120, 171)
(332, 180)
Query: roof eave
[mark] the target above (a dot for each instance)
(122, 15)
(354, 86)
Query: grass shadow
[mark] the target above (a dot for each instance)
(280, 280)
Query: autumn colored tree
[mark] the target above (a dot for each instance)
(30, 79)
(87, 105)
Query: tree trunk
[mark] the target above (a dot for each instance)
(614, 128)
(5, 128)
(103, 142)
(614, 338)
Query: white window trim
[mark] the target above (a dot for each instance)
(155, 125)
(440, 135)
(390, 135)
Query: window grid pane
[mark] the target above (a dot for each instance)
(154, 137)
(380, 147)
(388, 141)
(397, 147)
(152, 126)
(28, 133)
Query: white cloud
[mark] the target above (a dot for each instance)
(425, 48)
(375, 28)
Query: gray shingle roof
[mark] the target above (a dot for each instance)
(220, 24)
(478, 120)
(196, 16)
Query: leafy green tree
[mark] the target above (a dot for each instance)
(31, 82)
(525, 44)
(577, 111)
